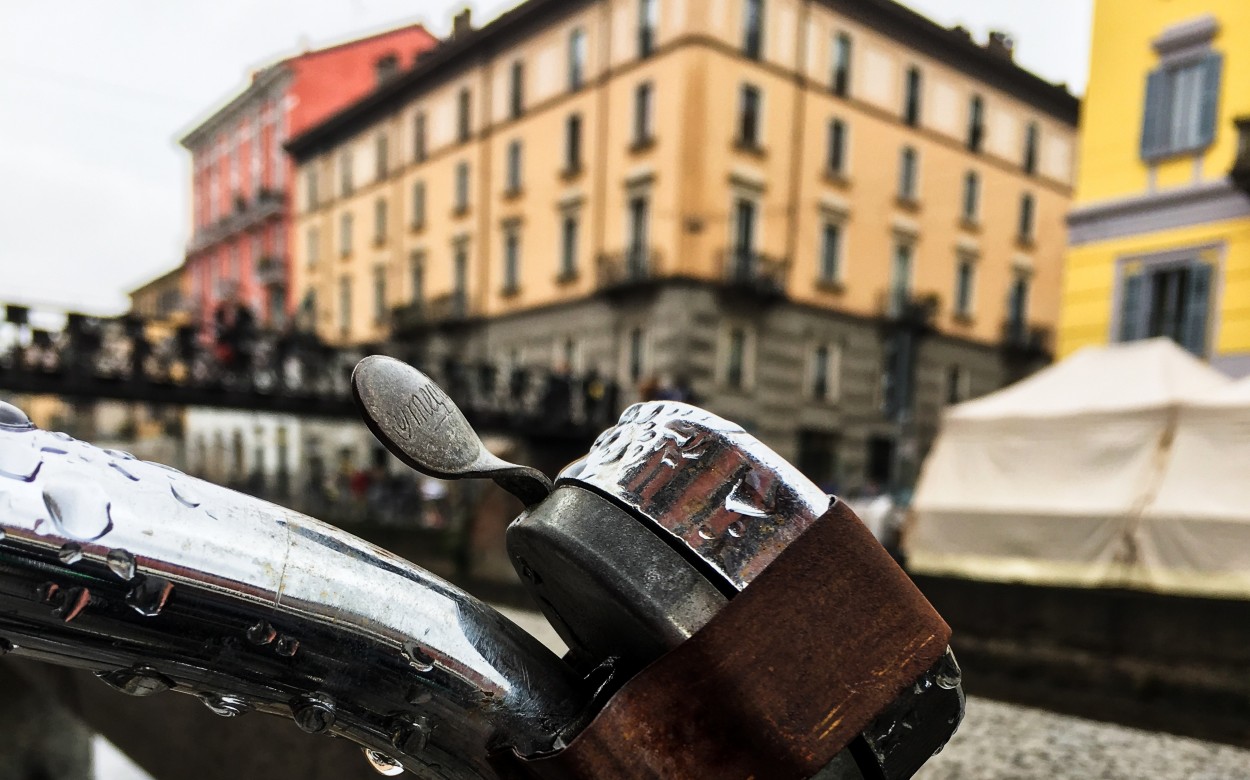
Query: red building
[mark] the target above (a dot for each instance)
(242, 179)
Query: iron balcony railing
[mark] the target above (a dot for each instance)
(754, 272)
(446, 308)
(628, 267)
(1022, 337)
(903, 307)
(271, 270)
(246, 213)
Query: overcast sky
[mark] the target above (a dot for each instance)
(93, 186)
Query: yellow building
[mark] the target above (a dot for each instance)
(749, 198)
(1160, 233)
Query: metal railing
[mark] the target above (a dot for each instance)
(754, 272)
(442, 309)
(903, 307)
(1021, 336)
(633, 266)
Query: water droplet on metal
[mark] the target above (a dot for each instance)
(137, 680)
(261, 634)
(705, 533)
(382, 763)
(120, 469)
(79, 508)
(122, 563)
(417, 657)
(948, 675)
(13, 418)
(163, 466)
(49, 593)
(410, 735)
(52, 450)
(184, 494)
(226, 705)
(71, 553)
(61, 435)
(119, 454)
(287, 646)
(19, 458)
(736, 529)
(313, 714)
(148, 597)
(72, 604)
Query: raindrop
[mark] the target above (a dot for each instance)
(409, 735)
(120, 469)
(51, 450)
(226, 705)
(261, 634)
(184, 494)
(163, 466)
(286, 646)
(383, 764)
(14, 418)
(137, 680)
(19, 459)
(73, 603)
(61, 435)
(736, 529)
(119, 454)
(149, 596)
(313, 714)
(705, 533)
(71, 553)
(948, 674)
(122, 563)
(417, 657)
(79, 508)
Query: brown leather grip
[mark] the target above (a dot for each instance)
(778, 682)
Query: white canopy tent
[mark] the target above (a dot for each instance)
(1047, 481)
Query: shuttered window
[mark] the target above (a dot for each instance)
(1171, 300)
(1181, 105)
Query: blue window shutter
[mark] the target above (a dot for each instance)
(1197, 302)
(1208, 110)
(1131, 306)
(1154, 127)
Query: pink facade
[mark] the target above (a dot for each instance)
(242, 180)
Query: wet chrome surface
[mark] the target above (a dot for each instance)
(159, 581)
(706, 483)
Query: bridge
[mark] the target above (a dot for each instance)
(129, 358)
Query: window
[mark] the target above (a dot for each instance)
(418, 204)
(749, 117)
(907, 169)
(345, 233)
(462, 187)
(971, 197)
(965, 278)
(345, 173)
(830, 252)
(976, 123)
(417, 270)
(310, 190)
(635, 355)
(379, 221)
(516, 100)
(911, 98)
(1024, 228)
(460, 270)
(643, 97)
(837, 148)
(1170, 299)
(900, 275)
(379, 294)
(648, 17)
(1018, 305)
(1029, 164)
(386, 67)
(511, 260)
(464, 115)
(577, 58)
(1181, 106)
(958, 384)
(419, 151)
(744, 260)
(345, 304)
(573, 144)
(736, 358)
(842, 64)
(381, 156)
(826, 369)
(513, 170)
(568, 246)
(753, 28)
(636, 251)
(313, 241)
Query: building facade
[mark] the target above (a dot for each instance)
(241, 176)
(823, 219)
(1160, 231)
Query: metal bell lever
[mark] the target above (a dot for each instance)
(420, 425)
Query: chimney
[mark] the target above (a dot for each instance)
(1001, 44)
(461, 24)
(962, 32)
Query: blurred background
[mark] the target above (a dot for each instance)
(979, 268)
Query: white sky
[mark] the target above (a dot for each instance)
(93, 186)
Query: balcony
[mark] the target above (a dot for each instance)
(1240, 172)
(245, 214)
(446, 309)
(1024, 340)
(629, 268)
(901, 307)
(753, 273)
(271, 270)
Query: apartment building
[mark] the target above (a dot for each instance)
(241, 176)
(1160, 232)
(826, 219)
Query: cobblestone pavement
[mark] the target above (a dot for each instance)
(1004, 742)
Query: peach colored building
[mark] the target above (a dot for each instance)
(826, 219)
